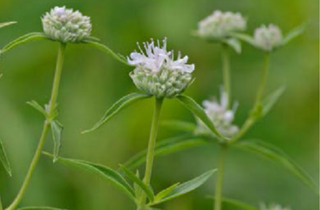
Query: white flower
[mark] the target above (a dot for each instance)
(221, 24)
(273, 207)
(220, 115)
(66, 25)
(157, 72)
(268, 37)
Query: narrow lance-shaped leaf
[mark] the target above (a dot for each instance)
(187, 187)
(165, 192)
(274, 154)
(106, 49)
(238, 204)
(4, 159)
(165, 147)
(117, 107)
(271, 100)
(139, 182)
(104, 172)
(7, 24)
(179, 125)
(39, 208)
(294, 33)
(56, 129)
(244, 37)
(198, 111)
(37, 107)
(24, 39)
(234, 44)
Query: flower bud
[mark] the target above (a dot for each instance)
(66, 25)
(219, 25)
(157, 73)
(220, 116)
(268, 37)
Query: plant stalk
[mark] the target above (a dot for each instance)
(218, 190)
(226, 73)
(1, 208)
(52, 107)
(151, 147)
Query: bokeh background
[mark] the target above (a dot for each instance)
(92, 81)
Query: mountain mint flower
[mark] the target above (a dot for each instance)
(66, 25)
(220, 24)
(268, 37)
(157, 72)
(273, 207)
(220, 115)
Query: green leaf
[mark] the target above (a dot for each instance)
(4, 159)
(234, 44)
(104, 172)
(38, 107)
(198, 111)
(39, 208)
(118, 106)
(187, 186)
(237, 204)
(271, 100)
(138, 181)
(24, 39)
(244, 37)
(293, 34)
(56, 129)
(179, 125)
(165, 192)
(106, 50)
(276, 155)
(7, 24)
(137, 189)
(165, 147)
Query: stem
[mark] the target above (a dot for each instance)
(226, 73)
(151, 146)
(218, 190)
(1, 208)
(52, 106)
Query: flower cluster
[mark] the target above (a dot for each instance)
(158, 73)
(273, 207)
(268, 37)
(66, 25)
(220, 24)
(220, 115)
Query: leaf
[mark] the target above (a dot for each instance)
(293, 34)
(234, 44)
(4, 159)
(137, 189)
(118, 106)
(104, 172)
(7, 24)
(138, 181)
(165, 192)
(270, 100)
(38, 107)
(179, 125)
(197, 110)
(165, 147)
(106, 50)
(56, 129)
(187, 186)
(39, 208)
(276, 155)
(237, 204)
(24, 39)
(244, 37)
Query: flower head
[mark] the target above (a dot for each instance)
(220, 115)
(268, 37)
(157, 72)
(66, 25)
(273, 207)
(220, 24)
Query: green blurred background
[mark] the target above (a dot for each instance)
(92, 81)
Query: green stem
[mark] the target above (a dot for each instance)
(1, 208)
(226, 73)
(257, 105)
(218, 190)
(52, 106)
(151, 147)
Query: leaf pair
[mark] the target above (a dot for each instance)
(119, 181)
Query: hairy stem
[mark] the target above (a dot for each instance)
(218, 190)
(151, 147)
(52, 106)
(226, 73)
